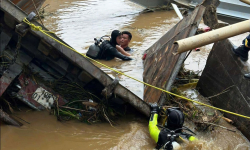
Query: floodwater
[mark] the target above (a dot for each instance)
(78, 22)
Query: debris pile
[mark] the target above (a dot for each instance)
(81, 104)
(204, 119)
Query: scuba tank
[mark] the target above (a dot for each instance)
(94, 50)
(172, 135)
(176, 145)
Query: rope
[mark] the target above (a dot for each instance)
(38, 28)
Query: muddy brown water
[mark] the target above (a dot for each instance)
(78, 23)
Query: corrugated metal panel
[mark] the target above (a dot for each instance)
(161, 66)
(27, 5)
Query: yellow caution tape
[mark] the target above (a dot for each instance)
(37, 28)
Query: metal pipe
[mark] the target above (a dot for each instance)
(212, 36)
(246, 1)
(176, 9)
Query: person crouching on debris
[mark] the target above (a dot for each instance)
(172, 130)
(111, 49)
(242, 52)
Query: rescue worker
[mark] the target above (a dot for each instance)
(109, 48)
(175, 120)
(242, 52)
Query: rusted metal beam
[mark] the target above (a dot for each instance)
(161, 66)
(108, 91)
(8, 119)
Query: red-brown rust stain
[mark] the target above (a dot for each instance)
(28, 90)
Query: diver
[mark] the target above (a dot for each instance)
(172, 130)
(111, 49)
(242, 52)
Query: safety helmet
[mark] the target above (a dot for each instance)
(175, 118)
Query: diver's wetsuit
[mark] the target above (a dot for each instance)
(160, 136)
(109, 52)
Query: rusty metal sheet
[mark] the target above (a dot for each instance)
(13, 71)
(27, 5)
(224, 70)
(28, 91)
(77, 60)
(161, 66)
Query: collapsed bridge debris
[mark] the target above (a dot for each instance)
(51, 62)
(225, 72)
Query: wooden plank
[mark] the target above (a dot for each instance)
(223, 70)
(161, 66)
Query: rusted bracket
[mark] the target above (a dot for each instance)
(108, 90)
(22, 28)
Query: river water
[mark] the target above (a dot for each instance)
(78, 22)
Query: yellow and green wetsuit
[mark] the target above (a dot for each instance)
(160, 136)
(246, 42)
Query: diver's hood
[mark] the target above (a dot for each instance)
(114, 35)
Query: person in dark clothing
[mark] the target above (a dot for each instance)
(108, 48)
(126, 38)
(242, 52)
(175, 120)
